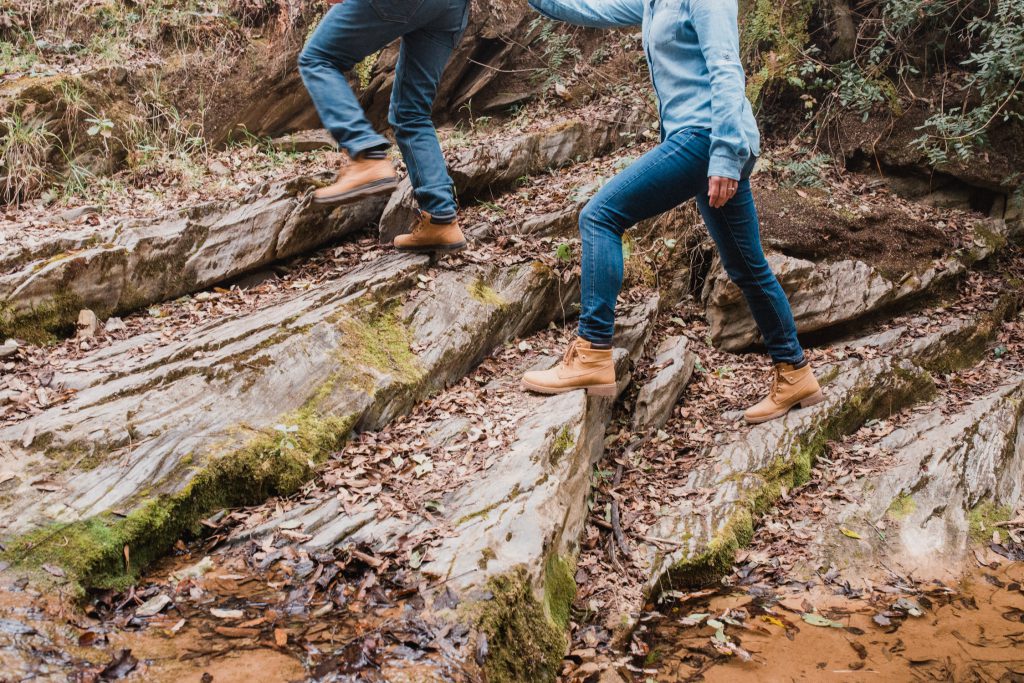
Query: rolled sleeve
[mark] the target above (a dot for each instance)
(715, 22)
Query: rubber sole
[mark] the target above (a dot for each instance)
(429, 249)
(596, 390)
(812, 400)
(367, 190)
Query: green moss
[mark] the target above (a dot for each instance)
(992, 240)
(92, 552)
(901, 507)
(774, 35)
(983, 517)
(44, 323)
(485, 294)
(483, 512)
(965, 349)
(378, 338)
(526, 638)
(61, 256)
(84, 456)
(717, 558)
(909, 386)
(562, 445)
(559, 589)
(829, 376)
(486, 555)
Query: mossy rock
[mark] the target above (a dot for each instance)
(526, 638)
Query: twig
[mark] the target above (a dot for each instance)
(620, 539)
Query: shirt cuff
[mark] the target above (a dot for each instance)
(725, 164)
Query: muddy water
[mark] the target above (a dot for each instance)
(223, 624)
(970, 631)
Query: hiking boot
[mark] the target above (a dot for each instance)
(361, 178)
(790, 387)
(582, 367)
(429, 236)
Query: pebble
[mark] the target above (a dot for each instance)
(153, 606)
(9, 348)
(72, 215)
(88, 324)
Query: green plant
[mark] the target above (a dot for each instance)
(286, 441)
(563, 252)
(807, 171)
(25, 146)
(364, 70)
(558, 53)
(102, 127)
(992, 89)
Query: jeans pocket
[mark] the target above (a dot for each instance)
(396, 10)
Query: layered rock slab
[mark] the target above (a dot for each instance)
(498, 165)
(832, 294)
(509, 527)
(135, 264)
(951, 471)
(241, 409)
(673, 366)
(741, 476)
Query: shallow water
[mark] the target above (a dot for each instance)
(969, 631)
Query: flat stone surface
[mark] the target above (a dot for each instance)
(149, 415)
(730, 485)
(524, 507)
(497, 165)
(946, 465)
(136, 264)
(654, 402)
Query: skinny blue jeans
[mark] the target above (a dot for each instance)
(662, 179)
(349, 32)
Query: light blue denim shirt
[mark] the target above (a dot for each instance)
(692, 49)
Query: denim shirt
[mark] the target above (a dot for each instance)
(692, 49)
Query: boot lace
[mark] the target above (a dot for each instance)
(570, 352)
(776, 383)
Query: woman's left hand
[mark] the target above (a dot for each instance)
(721, 190)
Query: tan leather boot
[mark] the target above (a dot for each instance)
(361, 178)
(582, 367)
(429, 236)
(790, 387)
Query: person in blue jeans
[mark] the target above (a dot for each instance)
(349, 32)
(709, 143)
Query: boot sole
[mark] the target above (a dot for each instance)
(596, 390)
(812, 400)
(428, 249)
(367, 190)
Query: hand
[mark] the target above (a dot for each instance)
(721, 190)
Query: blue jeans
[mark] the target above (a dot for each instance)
(355, 29)
(665, 177)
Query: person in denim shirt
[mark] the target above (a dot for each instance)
(349, 32)
(709, 144)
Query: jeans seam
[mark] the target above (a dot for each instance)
(746, 264)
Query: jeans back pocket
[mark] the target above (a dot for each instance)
(396, 10)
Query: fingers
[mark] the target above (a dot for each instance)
(720, 191)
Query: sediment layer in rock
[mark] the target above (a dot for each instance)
(832, 294)
(241, 409)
